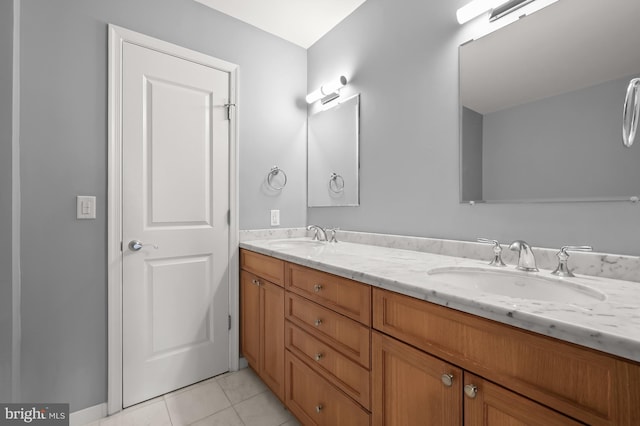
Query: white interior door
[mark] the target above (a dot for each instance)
(175, 201)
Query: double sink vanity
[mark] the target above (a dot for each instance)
(397, 330)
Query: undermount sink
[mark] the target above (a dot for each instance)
(516, 284)
(296, 244)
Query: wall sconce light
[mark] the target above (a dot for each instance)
(328, 91)
(498, 9)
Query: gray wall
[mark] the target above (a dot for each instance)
(564, 146)
(471, 156)
(6, 170)
(63, 154)
(403, 57)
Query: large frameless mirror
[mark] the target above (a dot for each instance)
(332, 156)
(542, 106)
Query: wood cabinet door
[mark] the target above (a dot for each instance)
(250, 318)
(408, 387)
(272, 335)
(487, 404)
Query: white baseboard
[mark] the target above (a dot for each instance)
(88, 415)
(243, 363)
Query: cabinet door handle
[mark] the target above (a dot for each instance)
(447, 380)
(317, 288)
(318, 322)
(471, 390)
(319, 408)
(256, 282)
(319, 356)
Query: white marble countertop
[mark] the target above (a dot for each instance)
(611, 325)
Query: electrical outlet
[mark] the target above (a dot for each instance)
(275, 217)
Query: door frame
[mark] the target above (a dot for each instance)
(117, 36)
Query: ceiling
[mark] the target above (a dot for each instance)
(302, 22)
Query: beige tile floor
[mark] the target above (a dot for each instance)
(232, 399)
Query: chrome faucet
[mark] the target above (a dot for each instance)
(318, 230)
(526, 259)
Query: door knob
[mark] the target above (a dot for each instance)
(135, 245)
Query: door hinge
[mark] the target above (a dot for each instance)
(229, 105)
(121, 246)
(229, 322)
(229, 217)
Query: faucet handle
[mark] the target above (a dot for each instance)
(333, 238)
(497, 251)
(562, 270)
(315, 232)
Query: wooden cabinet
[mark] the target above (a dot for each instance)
(349, 337)
(314, 401)
(488, 404)
(412, 387)
(308, 335)
(349, 376)
(408, 387)
(328, 348)
(262, 320)
(346, 297)
(584, 384)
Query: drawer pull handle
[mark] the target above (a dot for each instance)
(256, 282)
(447, 380)
(471, 390)
(319, 356)
(317, 288)
(319, 408)
(318, 322)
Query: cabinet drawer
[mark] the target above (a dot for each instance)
(582, 383)
(348, 336)
(342, 372)
(314, 401)
(267, 267)
(340, 294)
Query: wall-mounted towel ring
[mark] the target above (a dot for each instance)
(336, 183)
(631, 113)
(275, 170)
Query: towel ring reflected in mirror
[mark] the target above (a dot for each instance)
(275, 171)
(631, 113)
(336, 183)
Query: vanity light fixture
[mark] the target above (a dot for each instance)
(498, 9)
(328, 91)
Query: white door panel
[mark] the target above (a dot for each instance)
(175, 200)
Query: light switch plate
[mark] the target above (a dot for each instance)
(275, 217)
(85, 207)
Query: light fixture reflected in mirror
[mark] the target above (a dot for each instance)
(328, 91)
(498, 9)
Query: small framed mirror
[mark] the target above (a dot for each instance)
(333, 155)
